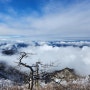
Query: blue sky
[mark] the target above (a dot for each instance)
(45, 19)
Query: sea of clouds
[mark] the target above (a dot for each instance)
(61, 57)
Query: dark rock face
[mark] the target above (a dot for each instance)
(46, 77)
(8, 72)
(8, 52)
(11, 49)
(22, 45)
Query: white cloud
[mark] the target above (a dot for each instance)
(71, 21)
(62, 57)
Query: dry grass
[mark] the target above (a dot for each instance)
(50, 87)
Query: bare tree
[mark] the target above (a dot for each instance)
(35, 74)
(30, 81)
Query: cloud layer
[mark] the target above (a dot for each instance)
(61, 57)
(55, 19)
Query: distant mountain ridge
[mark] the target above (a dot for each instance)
(11, 48)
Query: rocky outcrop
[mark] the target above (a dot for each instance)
(66, 74)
